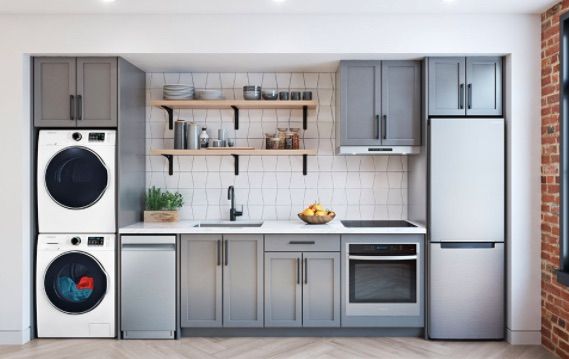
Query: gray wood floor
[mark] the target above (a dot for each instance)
(248, 348)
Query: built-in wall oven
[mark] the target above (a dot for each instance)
(383, 280)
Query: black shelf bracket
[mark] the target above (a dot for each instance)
(305, 164)
(305, 117)
(170, 159)
(170, 116)
(236, 116)
(236, 158)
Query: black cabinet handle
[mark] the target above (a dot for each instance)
(378, 127)
(297, 270)
(301, 242)
(461, 97)
(469, 96)
(384, 127)
(305, 270)
(219, 252)
(79, 107)
(226, 252)
(72, 107)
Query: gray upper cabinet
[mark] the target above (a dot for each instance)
(97, 92)
(401, 103)
(379, 103)
(465, 86)
(54, 92)
(447, 86)
(201, 281)
(243, 281)
(75, 92)
(283, 289)
(321, 289)
(360, 102)
(484, 86)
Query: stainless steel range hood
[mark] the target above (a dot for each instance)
(378, 150)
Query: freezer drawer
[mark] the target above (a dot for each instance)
(148, 287)
(467, 172)
(466, 296)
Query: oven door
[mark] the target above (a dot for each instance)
(383, 285)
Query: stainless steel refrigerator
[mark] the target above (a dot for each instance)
(466, 228)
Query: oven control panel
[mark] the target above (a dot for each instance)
(377, 249)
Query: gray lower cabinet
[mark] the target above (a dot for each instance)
(465, 86)
(302, 289)
(75, 91)
(221, 281)
(401, 103)
(243, 281)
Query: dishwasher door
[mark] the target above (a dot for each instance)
(148, 287)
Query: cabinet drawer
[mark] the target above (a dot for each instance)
(302, 243)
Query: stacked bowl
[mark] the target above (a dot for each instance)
(178, 92)
(210, 94)
(252, 92)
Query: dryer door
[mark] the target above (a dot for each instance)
(75, 282)
(76, 177)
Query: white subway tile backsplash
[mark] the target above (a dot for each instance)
(271, 187)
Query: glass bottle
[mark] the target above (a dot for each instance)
(204, 138)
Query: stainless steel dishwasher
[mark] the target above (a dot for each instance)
(148, 287)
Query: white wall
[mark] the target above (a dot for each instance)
(429, 34)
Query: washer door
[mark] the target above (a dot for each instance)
(75, 282)
(76, 177)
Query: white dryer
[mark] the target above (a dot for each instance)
(76, 181)
(75, 286)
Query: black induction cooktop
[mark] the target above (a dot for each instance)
(376, 223)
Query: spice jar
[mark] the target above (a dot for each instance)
(288, 141)
(282, 137)
(295, 138)
(268, 138)
(275, 142)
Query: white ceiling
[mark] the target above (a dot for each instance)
(273, 7)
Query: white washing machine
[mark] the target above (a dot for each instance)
(76, 181)
(75, 286)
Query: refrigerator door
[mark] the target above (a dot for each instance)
(466, 297)
(466, 180)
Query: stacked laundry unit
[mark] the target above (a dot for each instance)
(84, 107)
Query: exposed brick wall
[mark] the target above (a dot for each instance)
(554, 297)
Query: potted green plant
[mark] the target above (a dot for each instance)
(162, 206)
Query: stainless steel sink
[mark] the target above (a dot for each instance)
(374, 224)
(228, 224)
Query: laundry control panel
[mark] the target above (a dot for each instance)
(96, 241)
(96, 136)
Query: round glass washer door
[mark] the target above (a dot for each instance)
(76, 177)
(75, 282)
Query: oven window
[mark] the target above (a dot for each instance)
(383, 281)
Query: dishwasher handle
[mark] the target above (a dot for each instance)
(148, 247)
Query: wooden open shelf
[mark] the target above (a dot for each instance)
(170, 153)
(170, 105)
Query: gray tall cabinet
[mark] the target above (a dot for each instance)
(221, 281)
(378, 103)
(465, 86)
(76, 92)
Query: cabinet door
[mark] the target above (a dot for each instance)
(201, 281)
(401, 103)
(97, 92)
(321, 289)
(242, 280)
(283, 289)
(54, 92)
(360, 103)
(484, 86)
(447, 86)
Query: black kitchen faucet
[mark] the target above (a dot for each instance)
(233, 213)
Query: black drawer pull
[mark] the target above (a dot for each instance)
(301, 242)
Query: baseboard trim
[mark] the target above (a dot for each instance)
(15, 337)
(523, 337)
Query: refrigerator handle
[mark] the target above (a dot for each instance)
(468, 245)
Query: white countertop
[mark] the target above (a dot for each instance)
(268, 227)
